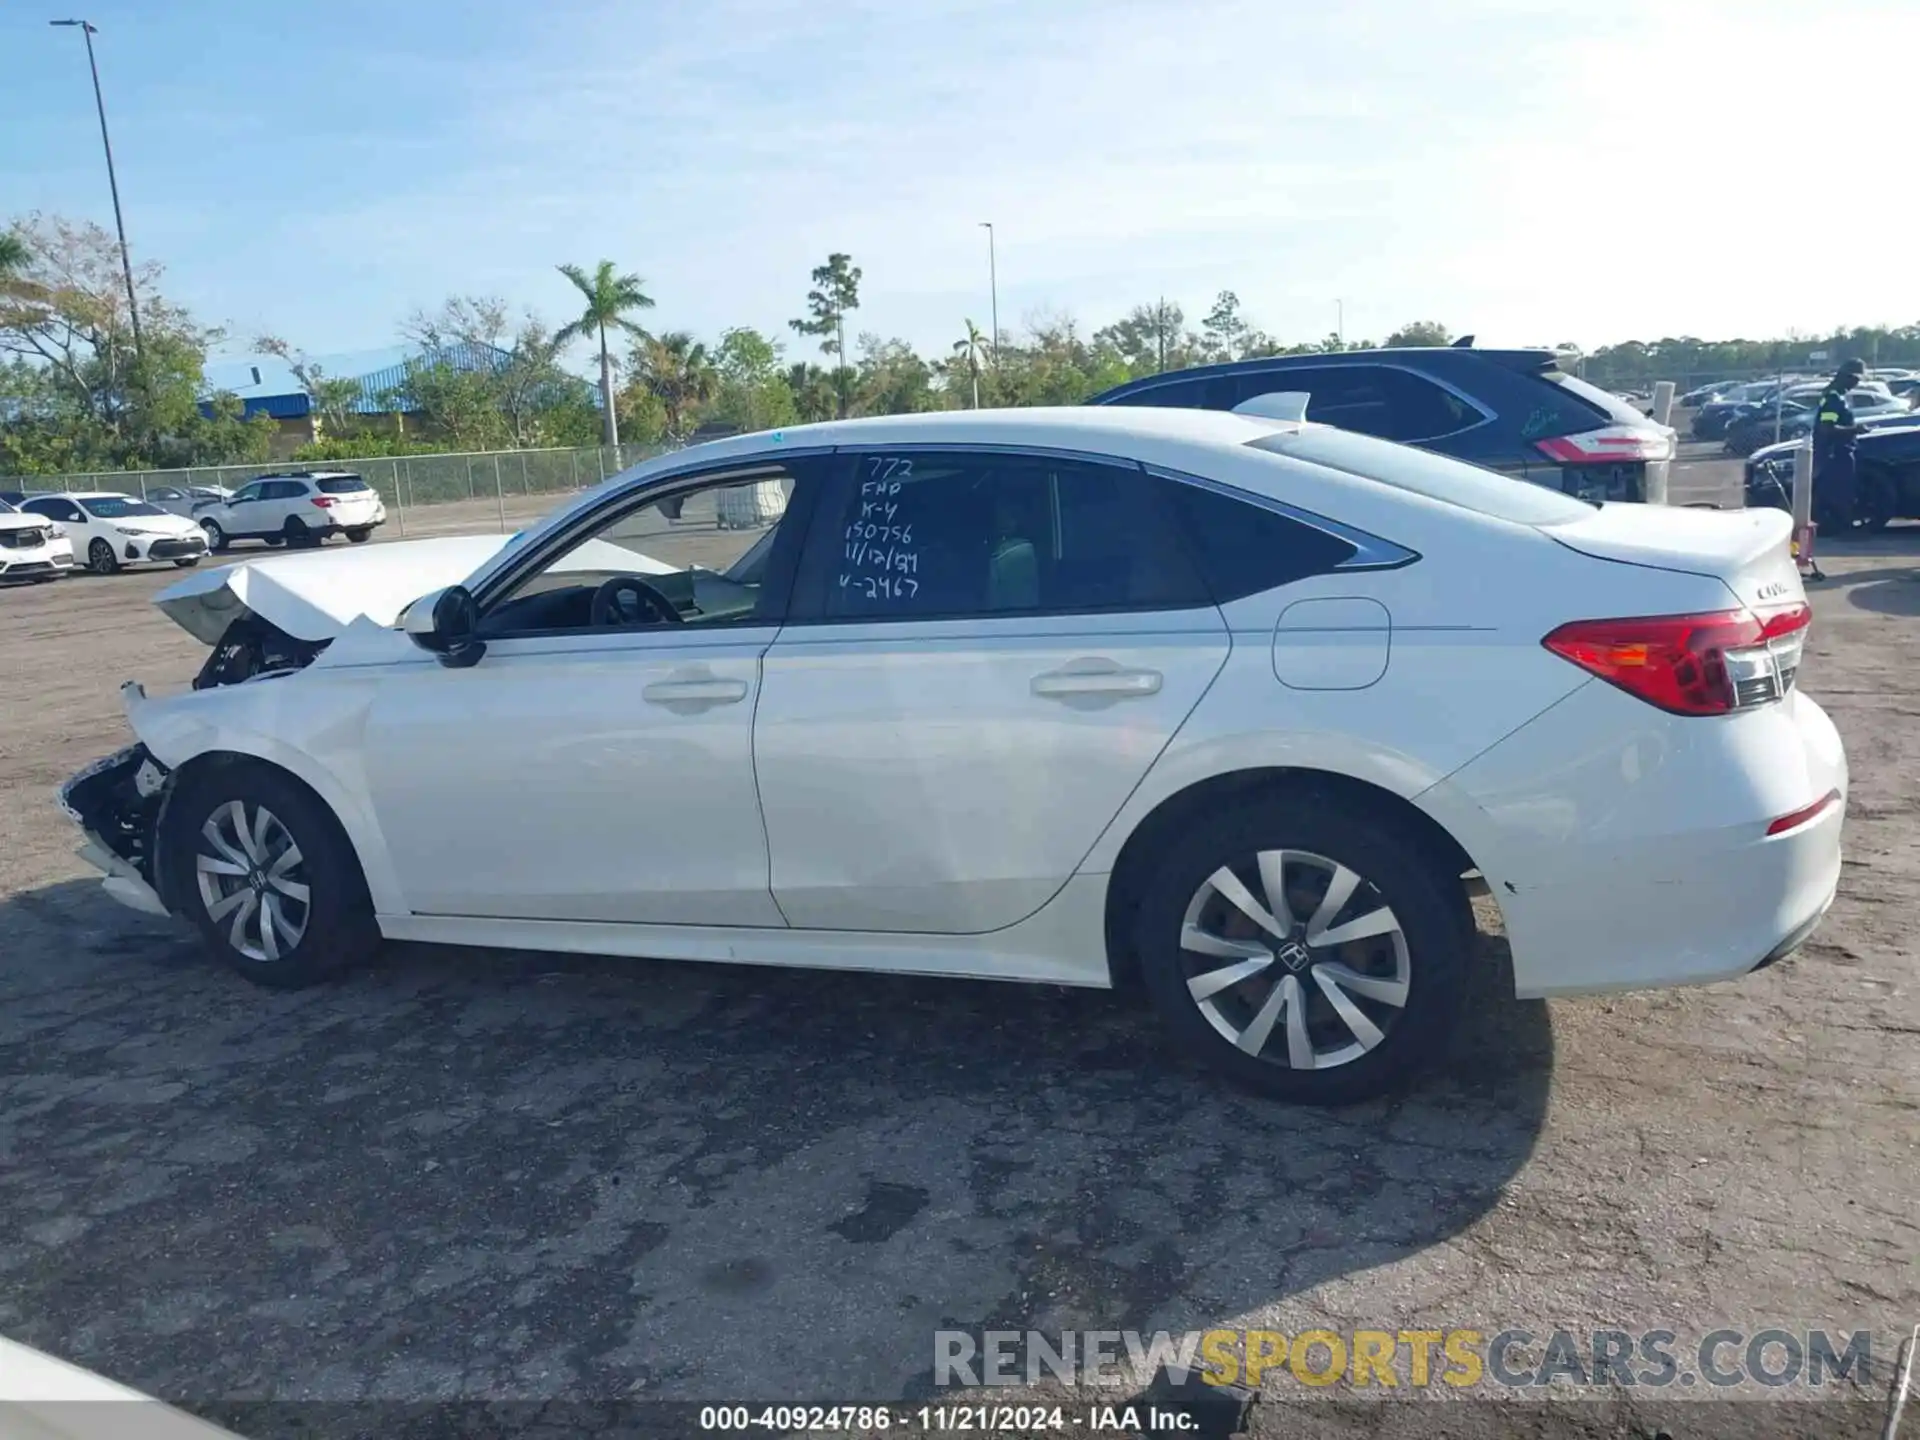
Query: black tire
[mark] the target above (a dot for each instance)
(100, 558)
(359, 537)
(1396, 873)
(297, 535)
(336, 928)
(188, 563)
(1873, 511)
(273, 541)
(217, 538)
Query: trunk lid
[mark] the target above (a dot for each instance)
(1750, 551)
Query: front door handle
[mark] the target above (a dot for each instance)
(694, 692)
(1099, 678)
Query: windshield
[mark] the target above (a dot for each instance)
(115, 507)
(6, 509)
(1424, 473)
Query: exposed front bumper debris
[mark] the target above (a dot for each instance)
(117, 802)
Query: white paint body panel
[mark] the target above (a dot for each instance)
(901, 797)
(950, 776)
(550, 782)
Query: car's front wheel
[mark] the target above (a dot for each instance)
(216, 534)
(101, 559)
(188, 563)
(262, 867)
(1309, 952)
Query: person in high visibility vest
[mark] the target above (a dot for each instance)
(1835, 433)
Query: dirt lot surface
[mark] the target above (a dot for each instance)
(513, 1176)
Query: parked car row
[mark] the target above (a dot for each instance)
(44, 536)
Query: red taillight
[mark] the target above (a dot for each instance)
(1692, 664)
(325, 502)
(1802, 816)
(1611, 444)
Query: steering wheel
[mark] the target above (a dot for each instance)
(628, 600)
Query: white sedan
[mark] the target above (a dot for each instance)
(32, 548)
(109, 531)
(1245, 707)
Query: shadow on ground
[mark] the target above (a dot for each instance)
(1887, 590)
(512, 1175)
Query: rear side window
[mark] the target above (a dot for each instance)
(929, 535)
(1243, 548)
(1381, 400)
(1421, 472)
(1592, 398)
(343, 485)
(1200, 392)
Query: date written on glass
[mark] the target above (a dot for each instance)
(879, 561)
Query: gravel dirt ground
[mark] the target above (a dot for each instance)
(509, 1176)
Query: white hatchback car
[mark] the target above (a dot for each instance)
(294, 509)
(32, 548)
(1246, 707)
(108, 531)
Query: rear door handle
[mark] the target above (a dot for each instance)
(694, 692)
(1105, 680)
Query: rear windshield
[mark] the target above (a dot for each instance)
(1593, 397)
(343, 485)
(1486, 492)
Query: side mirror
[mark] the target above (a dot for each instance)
(444, 622)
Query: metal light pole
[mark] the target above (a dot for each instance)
(993, 282)
(88, 31)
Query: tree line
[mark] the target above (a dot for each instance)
(76, 395)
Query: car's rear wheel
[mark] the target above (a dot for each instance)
(217, 538)
(264, 870)
(296, 534)
(1310, 953)
(101, 559)
(359, 537)
(1873, 512)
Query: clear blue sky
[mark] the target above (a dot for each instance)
(1530, 170)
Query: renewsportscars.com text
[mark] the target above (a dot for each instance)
(1771, 1358)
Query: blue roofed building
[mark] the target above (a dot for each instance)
(266, 385)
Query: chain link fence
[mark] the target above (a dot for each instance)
(404, 481)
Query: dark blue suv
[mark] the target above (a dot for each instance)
(1511, 410)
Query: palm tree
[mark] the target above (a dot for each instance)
(677, 371)
(609, 297)
(815, 397)
(970, 349)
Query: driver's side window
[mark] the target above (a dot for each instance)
(713, 551)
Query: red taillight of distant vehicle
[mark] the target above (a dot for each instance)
(1611, 444)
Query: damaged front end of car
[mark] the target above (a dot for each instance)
(264, 621)
(117, 803)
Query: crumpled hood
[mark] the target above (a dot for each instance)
(315, 594)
